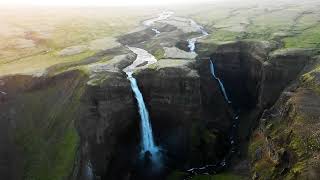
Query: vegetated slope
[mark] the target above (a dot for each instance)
(294, 23)
(44, 131)
(40, 113)
(286, 143)
(39, 38)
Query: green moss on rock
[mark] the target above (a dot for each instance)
(312, 80)
(46, 135)
(176, 175)
(254, 145)
(159, 53)
(265, 168)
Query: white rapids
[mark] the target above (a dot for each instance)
(192, 41)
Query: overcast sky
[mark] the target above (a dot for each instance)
(100, 2)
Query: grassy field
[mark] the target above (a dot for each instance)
(33, 39)
(295, 23)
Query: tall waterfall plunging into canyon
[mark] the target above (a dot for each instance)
(223, 90)
(148, 144)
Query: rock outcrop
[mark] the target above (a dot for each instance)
(109, 127)
(240, 66)
(173, 93)
(252, 74)
(282, 67)
(286, 143)
(39, 139)
(110, 116)
(253, 77)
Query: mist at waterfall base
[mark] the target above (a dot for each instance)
(150, 154)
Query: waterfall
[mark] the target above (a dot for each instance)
(149, 150)
(148, 145)
(192, 44)
(220, 82)
(192, 41)
(221, 165)
(156, 31)
(163, 16)
(88, 171)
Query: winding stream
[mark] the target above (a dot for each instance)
(192, 41)
(143, 58)
(149, 149)
(162, 16)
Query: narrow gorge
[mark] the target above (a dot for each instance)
(197, 127)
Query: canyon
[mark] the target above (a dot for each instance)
(222, 106)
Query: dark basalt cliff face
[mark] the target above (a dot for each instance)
(286, 143)
(173, 92)
(281, 68)
(109, 127)
(240, 66)
(38, 137)
(252, 74)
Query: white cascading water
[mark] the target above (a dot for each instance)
(156, 31)
(192, 41)
(148, 145)
(220, 82)
(232, 138)
(146, 129)
(147, 141)
(192, 44)
(88, 171)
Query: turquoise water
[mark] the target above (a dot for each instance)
(147, 143)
